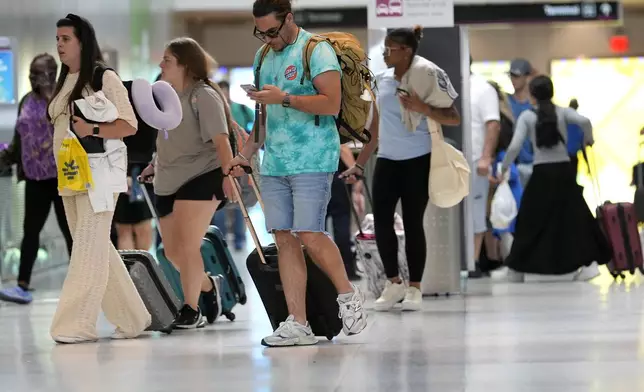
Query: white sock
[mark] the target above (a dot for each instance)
(345, 297)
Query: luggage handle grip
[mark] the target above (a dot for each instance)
(249, 223)
(142, 181)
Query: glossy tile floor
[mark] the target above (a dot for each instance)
(541, 337)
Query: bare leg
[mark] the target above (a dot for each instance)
(327, 255)
(292, 270)
(192, 218)
(125, 236)
(491, 246)
(478, 243)
(142, 235)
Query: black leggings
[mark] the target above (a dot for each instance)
(39, 195)
(407, 181)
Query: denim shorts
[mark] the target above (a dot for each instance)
(296, 203)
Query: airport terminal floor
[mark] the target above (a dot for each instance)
(501, 337)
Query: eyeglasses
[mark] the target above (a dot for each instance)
(386, 51)
(270, 33)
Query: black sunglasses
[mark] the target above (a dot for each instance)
(270, 33)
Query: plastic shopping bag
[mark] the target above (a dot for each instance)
(504, 207)
(74, 172)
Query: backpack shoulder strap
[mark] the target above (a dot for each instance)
(264, 51)
(307, 52)
(97, 77)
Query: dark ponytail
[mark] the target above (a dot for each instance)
(407, 37)
(547, 129)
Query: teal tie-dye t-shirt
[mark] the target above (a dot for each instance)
(294, 144)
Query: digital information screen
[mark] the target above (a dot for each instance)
(610, 92)
(7, 77)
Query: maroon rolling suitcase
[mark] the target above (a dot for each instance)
(619, 223)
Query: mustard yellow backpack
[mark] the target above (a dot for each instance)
(357, 93)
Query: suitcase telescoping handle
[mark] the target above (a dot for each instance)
(353, 207)
(148, 201)
(238, 192)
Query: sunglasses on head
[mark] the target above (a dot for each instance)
(270, 33)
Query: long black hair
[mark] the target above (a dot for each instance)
(547, 130)
(90, 53)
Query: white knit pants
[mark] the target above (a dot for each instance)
(96, 278)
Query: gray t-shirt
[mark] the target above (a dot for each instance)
(189, 151)
(525, 127)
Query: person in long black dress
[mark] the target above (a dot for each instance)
(555, 232)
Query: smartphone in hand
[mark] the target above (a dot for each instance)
(402, 93)
(249, 88)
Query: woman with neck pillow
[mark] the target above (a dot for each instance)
(188, 180)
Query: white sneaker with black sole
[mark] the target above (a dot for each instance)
(290, 333)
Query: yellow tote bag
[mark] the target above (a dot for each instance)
(74, 172)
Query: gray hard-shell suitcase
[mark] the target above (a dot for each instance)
(153, 287)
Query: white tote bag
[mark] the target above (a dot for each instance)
(449, 174)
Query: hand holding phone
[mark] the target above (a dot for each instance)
(249, 88)
(402, 93)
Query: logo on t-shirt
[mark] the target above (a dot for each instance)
(290, 73)
(445, 84)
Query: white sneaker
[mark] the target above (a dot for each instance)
(290, 333)
(413, 299)
(354, 318)
(391, 295)
(584, 274)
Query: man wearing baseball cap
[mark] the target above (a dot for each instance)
(520, 74)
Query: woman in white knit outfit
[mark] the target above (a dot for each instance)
(97, 277)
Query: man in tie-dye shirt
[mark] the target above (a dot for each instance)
(300, 159)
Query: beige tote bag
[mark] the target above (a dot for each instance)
(449, 176)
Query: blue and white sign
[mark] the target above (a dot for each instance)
(7, 77)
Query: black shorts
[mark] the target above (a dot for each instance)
(132, 213)
(207, 186)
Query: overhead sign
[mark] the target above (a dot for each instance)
(581, 11)
(407, 13)
(325, 17)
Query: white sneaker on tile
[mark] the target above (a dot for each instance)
(391, 295)
(290, 333)
(352, 313)
(413, 299)
(584, 274)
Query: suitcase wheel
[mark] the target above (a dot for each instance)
(230, 316)
(167, 331)
(243, 299)
(329, 337)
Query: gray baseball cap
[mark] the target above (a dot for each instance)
(520, 67)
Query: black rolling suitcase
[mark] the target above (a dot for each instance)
(153, 287)
(321, 296)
